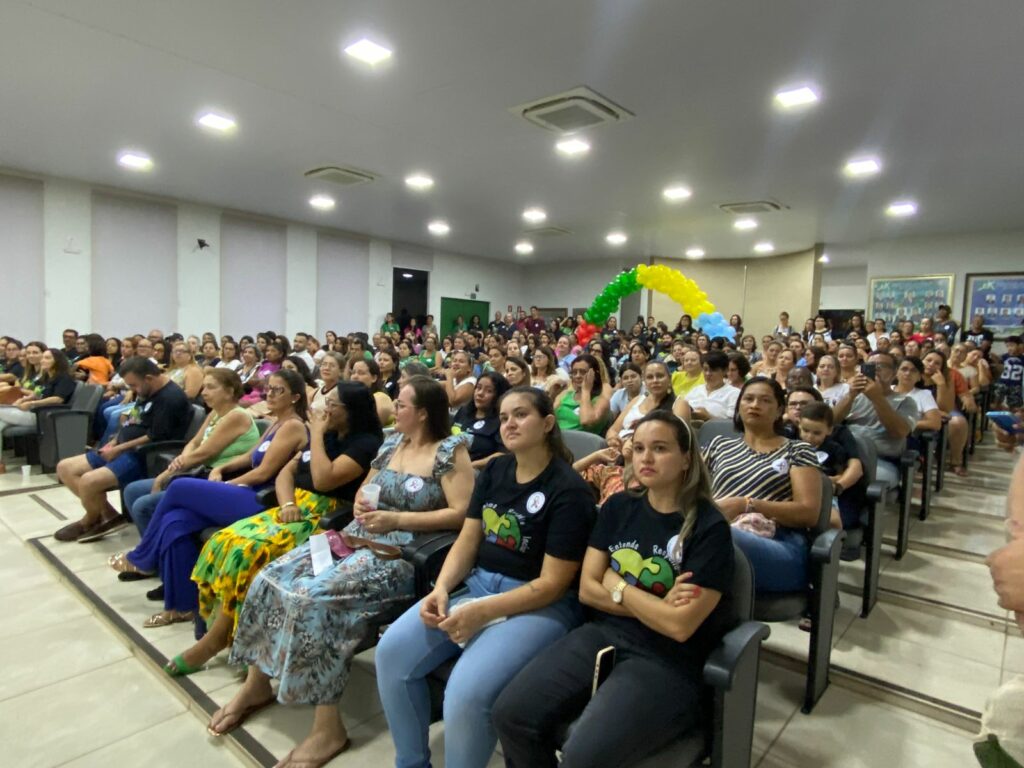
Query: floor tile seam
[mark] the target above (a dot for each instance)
(782, 730)
(119, 740)
(918, 644)
(33, 488)
(129, 657)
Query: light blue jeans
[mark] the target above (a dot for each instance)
(779, 564)
(410, 650)
(140, 501)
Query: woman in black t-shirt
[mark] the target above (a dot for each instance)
(519, 553)
(55, 388)
(480, 419)
(647, 551)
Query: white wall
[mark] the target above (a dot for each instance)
(573, 283)
(253, 274)
(456, 277)
(67, 258)
(343, 264)
(21, 245)
(844, 288)
(949, 254)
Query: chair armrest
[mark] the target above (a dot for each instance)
(876, 491)
(161, 445)
(49, 411)
(827, 546)
(909, 458)
(427, 552)
(267, 498)
(724, 660)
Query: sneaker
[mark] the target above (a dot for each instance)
(100, 530)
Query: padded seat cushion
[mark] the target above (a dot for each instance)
(779, 606)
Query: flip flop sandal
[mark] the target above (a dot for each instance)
(178, 667)
(242, 716)
(166, 618)
(290, 763)
(126, 570)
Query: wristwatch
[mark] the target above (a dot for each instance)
(617, 591)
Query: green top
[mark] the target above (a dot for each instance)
(241, 444)
(390, 328)
(428, 359)
(568, 414)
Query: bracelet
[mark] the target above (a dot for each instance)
(749, 509)
(289, 504)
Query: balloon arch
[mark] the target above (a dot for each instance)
(674, 284)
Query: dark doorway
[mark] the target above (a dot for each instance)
(409, 295)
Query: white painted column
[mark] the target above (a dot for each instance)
(300, 279)
(198, 270)
(379, 289)
(67, 258)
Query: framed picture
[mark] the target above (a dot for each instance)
(908, 298)
(999, 298)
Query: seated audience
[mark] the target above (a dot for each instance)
(690, 375)
(189, 505)
(387, 360)
(784, 363)
(55, 387)
(768, 486)
(715, 398)
(344, 438)
(872, 408)
(663, 621)
(479, 419)
(161, 413)
(227, 432)
(830, 386)
(331, 366)
(13, 388)
(184, 371)
(251, 361)
(95, 367)
(517, 372)
(518, 553)
(837, 455)
(1007, 392)
(739, 369)
(849, 362)
(459, 381)
(545, 373)
(631, 382)
(767, 366)
(584, 405)
(229, 356)
(954, 398)
(658, 395)
(274, 355)
(425, 482)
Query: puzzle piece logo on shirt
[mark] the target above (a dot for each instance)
(414, 484)
(502, 530)
(653, 574)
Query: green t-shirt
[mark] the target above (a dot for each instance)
(390, 328)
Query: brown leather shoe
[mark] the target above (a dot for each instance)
(101, 529)
(70, 532)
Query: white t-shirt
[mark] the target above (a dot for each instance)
(306, 358)
(835, 393)
(721, 403)
(925, 401)
(234, 365)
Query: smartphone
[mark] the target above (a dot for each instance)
(603, 663)
(868, 369)
(1008, 422)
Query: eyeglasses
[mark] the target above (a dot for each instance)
(276, 390)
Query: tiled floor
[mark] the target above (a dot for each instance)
(76, 692)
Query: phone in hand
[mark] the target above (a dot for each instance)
(868, 370)
(603, 664)
(1008, 422)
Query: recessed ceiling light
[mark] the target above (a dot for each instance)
(823, 259)
(439, 227)
(407, 275)
(419, 181)
(573, 147)
(676, 193)
(322, 202)
(796, 97)
(368, 51)
(524, 247)
(745, 225)
(535, 215)
(695, 253)
(616, 238)
(135, 161)
(217, 122)
(899, 209)
(764, 247)
(861, 167)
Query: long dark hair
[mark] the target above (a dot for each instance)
(296, 386)
(429, 395)
(302, 368)
(501, 386)
(362, 411)
(61, 365)
(777, 392)
(541, 403)
(374, 369)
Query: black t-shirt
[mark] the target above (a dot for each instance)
(165, 415)
(642, 544)
(361, 448)
(61, 386)
(550, 515)
(969, 334)
(486, 432)
(16, 369)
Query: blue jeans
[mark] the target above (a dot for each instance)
(141, 501)
(410, 650)
(113, 417)
(779, 564)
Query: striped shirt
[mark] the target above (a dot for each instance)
(738, 470)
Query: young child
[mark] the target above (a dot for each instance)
(1007, 392)
(838, 458)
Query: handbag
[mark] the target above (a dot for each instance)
(344, 544)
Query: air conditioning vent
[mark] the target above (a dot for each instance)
(757, 206)
(547, 232)
(573, 110)
(345, 177)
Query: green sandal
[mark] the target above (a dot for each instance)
(177, 667)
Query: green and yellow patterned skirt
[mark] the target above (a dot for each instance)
(234, 555)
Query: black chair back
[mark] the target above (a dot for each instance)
(198, 417)
(715, 428)
(582, 444)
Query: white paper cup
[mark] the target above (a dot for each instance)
(371, 495)
(26, 470)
